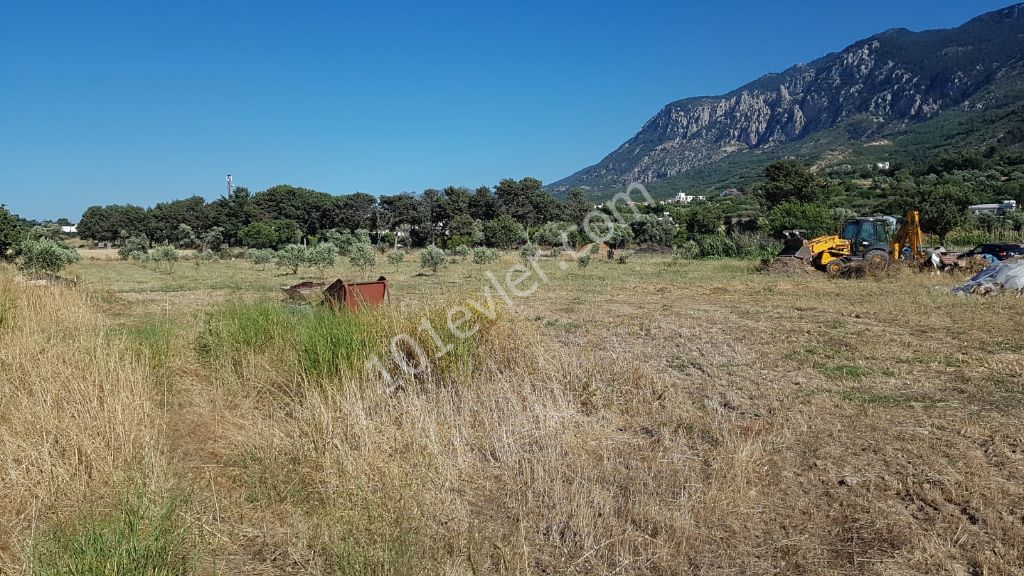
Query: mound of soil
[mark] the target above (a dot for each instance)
(784, 266)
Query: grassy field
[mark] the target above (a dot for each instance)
(648, 418)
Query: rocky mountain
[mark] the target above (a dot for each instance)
(896, 79)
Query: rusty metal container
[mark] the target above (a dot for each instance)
(356, 295)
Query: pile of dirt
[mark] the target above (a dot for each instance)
(785, 267)
(870, 270)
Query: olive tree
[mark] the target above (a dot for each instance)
(362, 256)
(322, 256)
(433, 258)
(46, 255)
(291, 257)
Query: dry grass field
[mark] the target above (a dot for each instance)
(647, 418)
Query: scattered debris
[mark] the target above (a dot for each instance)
(304, 291)
(356, 295)
(1003, 277)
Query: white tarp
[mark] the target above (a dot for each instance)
(1005, 276)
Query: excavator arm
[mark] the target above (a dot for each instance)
(908, 236)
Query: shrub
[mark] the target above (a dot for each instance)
(715, 246)
(967, 238)
(291, 257)
(554, 234)
(584, 261)
(46, 256)
(395, 258)
(322, 256)
(755, 246)
(204, 256)
(133, 245)
(462, 251)
(528, 252)
(165, 257)
(362, 256)
(11, 233)
(484, 255)
(814, 219)
(260, 257)
(433, 258)
(504, 232)
(686, 250)
(623, 258)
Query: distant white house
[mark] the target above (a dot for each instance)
(73, 229)
(1003, 207)
(883, 166)
(684, 198)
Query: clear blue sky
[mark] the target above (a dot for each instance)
(143, 101)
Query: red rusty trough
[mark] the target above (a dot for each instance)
(356, 295)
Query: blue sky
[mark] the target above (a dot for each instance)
(145, 101)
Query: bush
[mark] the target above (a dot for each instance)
(528, 252)
(395, 258)
(812, 218)
(686, 250)
(322, 256)
(204, 256)
(46, 256)
(622, 258)
(755, 246)
(133, 245)
(291, 257)
(362, 256)
(165, 257)
(715, 246)
(260, 257)
(554, 234)
(484, 255)
(583, 261)
(462, 251)
(433, 258)
(967, 238)
(504, 232)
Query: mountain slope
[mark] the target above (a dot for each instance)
(893, 81)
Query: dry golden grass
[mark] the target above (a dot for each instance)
(646, 418)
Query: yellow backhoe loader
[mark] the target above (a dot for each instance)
(871, 240)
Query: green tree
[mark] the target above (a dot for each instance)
(291, 257)
(165, 257)
(790, 181)
(395, 258)
(45, 255)
(258, 235)
(322, 256)
(260, 257)
(433, 258)
(362, 256)
(11, 232)
(704, 218)
(134, 246)
(529, 252)
(816, 220)
(942, 210)
(504, 232)
(577, 207)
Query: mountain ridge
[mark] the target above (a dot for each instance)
(899, 78)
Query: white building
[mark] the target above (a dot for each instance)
(684, 198)
(73, 229)
(995, 209)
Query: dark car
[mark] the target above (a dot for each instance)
(995, 251)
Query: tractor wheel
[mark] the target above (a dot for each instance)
(834, 267)
(876, 258)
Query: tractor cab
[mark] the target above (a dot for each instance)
(869, 236)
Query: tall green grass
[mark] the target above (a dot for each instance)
(144, 536)
(327, 345)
